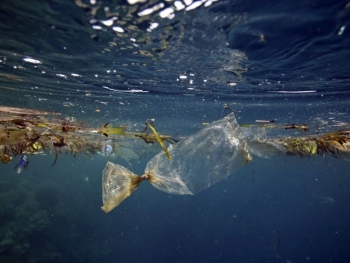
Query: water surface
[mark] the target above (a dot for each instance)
(284, 61)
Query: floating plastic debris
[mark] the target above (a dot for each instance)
(198, 162)
(214, 153)
(22, 164)
(107, 149)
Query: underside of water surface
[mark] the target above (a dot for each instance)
(104, 71)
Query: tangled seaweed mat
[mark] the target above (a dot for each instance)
(198, 162)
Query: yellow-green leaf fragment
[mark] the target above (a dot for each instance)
(159, 140)
(41, 125)
(113, 130)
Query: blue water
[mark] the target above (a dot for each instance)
(285, 60)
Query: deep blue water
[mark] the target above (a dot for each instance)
(285, 60)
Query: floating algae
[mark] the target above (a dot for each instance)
(26, 131)
(198, 162)
(336, 144)
(159, 139)
(214, 153)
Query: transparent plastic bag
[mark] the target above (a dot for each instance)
(117, 184)
(198, 162)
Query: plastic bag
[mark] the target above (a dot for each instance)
(198, 162)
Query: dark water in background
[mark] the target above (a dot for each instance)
(285, 60)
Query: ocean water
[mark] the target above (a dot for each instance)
(125, 62)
